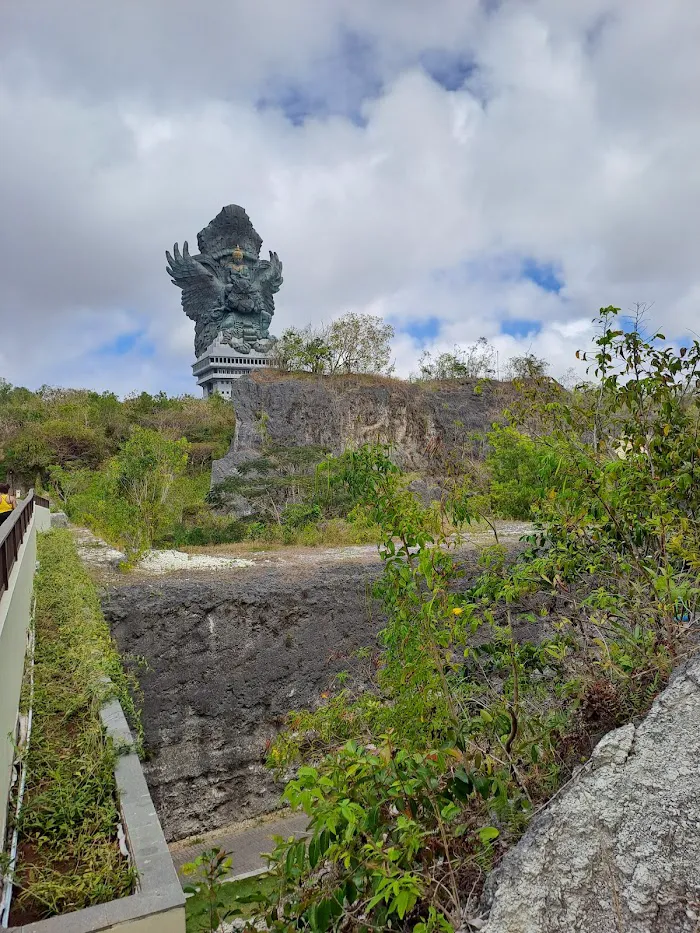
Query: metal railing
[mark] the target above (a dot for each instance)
(12, 533)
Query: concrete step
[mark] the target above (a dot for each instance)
(244, 842)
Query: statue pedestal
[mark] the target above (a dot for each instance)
(216, 369)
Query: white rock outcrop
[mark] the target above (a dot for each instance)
(618, 850)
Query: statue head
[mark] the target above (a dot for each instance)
(230, 227)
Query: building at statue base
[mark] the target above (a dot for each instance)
(220, 364)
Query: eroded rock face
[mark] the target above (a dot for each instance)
(427, 424)
(227, 656)
(618, 851)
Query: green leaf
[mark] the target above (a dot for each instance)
(488, 833)
(449, 811)
(350, 891)
(313, 853)
(320, 916)
(402, 903)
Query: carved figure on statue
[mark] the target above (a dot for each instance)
(227, 289)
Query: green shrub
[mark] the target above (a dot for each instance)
(416, 784)
(522, 470)
(224, 532)
(298, 514)
(138, 496)
(75, 429)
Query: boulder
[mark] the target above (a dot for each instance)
(618, 849)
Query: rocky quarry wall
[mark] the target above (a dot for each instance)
(428, 423)
(225, 658)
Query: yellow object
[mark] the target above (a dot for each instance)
(5, 504)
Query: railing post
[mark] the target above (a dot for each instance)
(4, 575)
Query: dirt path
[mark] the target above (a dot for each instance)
(221, 560)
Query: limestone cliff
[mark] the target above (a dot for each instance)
(427, 423)
(618, 849)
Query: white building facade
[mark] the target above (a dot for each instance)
(216, 369)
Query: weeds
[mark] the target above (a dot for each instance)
(484, 700)
(68, 852)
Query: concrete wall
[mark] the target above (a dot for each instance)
(42, 518)
(15, 607)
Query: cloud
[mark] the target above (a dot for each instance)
(465, 170)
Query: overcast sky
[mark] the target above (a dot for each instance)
(462, 168)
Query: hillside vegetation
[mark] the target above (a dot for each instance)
(135, 471)
(485, 700)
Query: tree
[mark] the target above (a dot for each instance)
(360, 343)
(353, 343)
(142, 476)
(267, 485)
(527, 366)
(303, 350)
(475, 361)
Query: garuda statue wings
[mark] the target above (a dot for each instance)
(226, 288)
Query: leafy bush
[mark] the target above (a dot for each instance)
(78, 429)
(415, 787)
(133, 501)
(523, 471)
(298, 514)
(223, 532)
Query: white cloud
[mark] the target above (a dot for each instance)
(573, 143)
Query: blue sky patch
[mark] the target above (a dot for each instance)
(127, 344)
(296, 103)
(542, 274)
(447, 69)
(421, 330)
(338, 84)
(520, 328)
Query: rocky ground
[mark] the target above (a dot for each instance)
(223, 652)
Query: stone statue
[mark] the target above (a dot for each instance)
(227, 289)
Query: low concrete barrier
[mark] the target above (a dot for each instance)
(158, 904)
(18, 540)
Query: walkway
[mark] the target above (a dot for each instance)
(245, 842)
